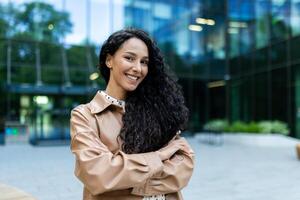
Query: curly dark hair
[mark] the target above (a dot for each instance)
(155, 111)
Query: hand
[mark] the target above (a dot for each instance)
(172, 147)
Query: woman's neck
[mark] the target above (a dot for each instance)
(115, 93)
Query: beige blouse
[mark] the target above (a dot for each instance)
(110, 174)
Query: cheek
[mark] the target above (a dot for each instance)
(145, 71)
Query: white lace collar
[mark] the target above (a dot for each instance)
(112, 100)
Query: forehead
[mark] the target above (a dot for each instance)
(134, 45)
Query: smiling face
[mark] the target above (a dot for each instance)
(128, 67)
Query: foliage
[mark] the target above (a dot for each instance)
(34, 21)
(274, 127)
(216, 125)
(252, 127)
(8, 14)
(3, 23)
(36, 30)
(237, 126)
(40, 21)
(265, 126)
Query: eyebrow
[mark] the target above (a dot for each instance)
(134, 54)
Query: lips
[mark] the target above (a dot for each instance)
(131, 77)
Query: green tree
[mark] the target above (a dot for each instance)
(40, 21)
(172, 58)
(3, 22)
(8, 13)
(37, 21)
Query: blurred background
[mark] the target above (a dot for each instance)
(237, 61)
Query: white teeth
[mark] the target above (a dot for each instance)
(132, 77)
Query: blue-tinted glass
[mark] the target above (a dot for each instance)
(79, 21)
(234, 43)
(212, 19)
(241, 96)
(278, 53)
(241, 26)
(261, 60)
(233, 8)
(262, 9)
(296, 98)
(216, 36)
(294, 48)
(138, 14)
(280, 25)
(295, 17)
(246, 26)
(240, 9)
(104, 18)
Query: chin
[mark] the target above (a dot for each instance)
(131, 88)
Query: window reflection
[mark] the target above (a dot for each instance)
(193, 36)
(262, 32)
(78, 20)
(280, 20)
(241, 26)
(295, 17)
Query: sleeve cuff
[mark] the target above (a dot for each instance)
(154, 162)
(139, 191)
(155, 165)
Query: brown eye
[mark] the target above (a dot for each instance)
(144, 62)
(129, 58)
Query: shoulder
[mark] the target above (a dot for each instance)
(81, 108)
(81, 111)
(82, 119)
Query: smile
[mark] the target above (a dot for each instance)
(134, 78)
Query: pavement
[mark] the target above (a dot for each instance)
(241, 167)
(8, 192)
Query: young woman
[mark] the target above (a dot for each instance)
(126, 140)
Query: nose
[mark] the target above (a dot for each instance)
(137, 67)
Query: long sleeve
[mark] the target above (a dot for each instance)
(176, 174)
(99, 169)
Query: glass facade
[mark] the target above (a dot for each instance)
(264, 77)
(235, 59)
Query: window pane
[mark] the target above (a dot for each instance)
(79, 31)
(278, 53)
(295, 44)
(262, 23)
(279, 94)
(241, 26)
(280, 20)
(261, 103)
(295, 17)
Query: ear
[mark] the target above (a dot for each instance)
(108, 61)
